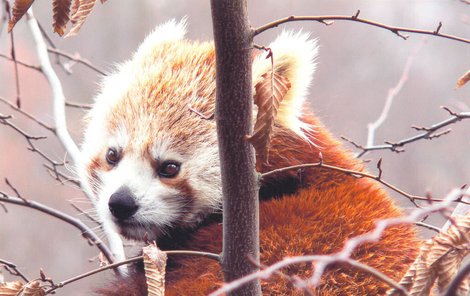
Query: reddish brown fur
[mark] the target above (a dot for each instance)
(330, 208)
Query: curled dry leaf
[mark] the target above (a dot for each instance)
(61, 9)
(18, 288)
(154, 265)
(10, 288)
(439, 259)
(33, 289)
(463, 79)
(20, 7)
(270, 91)
(80, 13)
(74, 9)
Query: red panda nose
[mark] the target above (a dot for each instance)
(122, 204)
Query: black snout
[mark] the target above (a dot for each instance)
(122, 203)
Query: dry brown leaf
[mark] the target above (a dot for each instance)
(154, 265)
(61, 9)
(463, 79)
(10, 288)
(439, 259)
(74, 9)
(20, 7)
(456, 239)
(33, 289)
(79, 16)
(270, 91)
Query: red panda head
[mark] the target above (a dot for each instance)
(152, 161)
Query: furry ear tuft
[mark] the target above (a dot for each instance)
(294, 57)
(166, 32)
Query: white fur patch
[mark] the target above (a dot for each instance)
(167, 32)
(137, 174)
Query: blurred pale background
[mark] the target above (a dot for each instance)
(357, 66)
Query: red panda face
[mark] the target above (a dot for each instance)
(150, 160)
(154, 188)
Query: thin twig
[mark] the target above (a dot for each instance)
(6, 9)
(13, 270)
(37, 68)
(428, 133)
(357, 174)
(41, 123)
(428, 226)
(392, 93)
(76, 59)
(4, 120)
(327, 19)
(78, 105)
(13, 58)
(59, 176)
(212, 256)
(17, 193)
(85, 230)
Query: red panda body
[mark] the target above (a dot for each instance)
(170, 152)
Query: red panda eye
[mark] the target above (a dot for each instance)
(169, 169)
(112, 156)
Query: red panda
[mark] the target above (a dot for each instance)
(153, 165)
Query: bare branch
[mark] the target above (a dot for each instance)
(78, 105)
(61, 124)
(86, 231)
(57, 92)
(76, 58)
(29, 139)
(37, 68)
(59, 176)
(13, 58)
(359, 174)
(212, 256)
(428, 226)
(41, 123)
(326, 19)
(392, 93)
(428, 133)
(13, 270)
(14, 190)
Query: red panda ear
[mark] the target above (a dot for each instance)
(166, 32)
(294, 58)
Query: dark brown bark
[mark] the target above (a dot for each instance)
(233, 42)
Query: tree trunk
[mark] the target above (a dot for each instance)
(233, 43)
